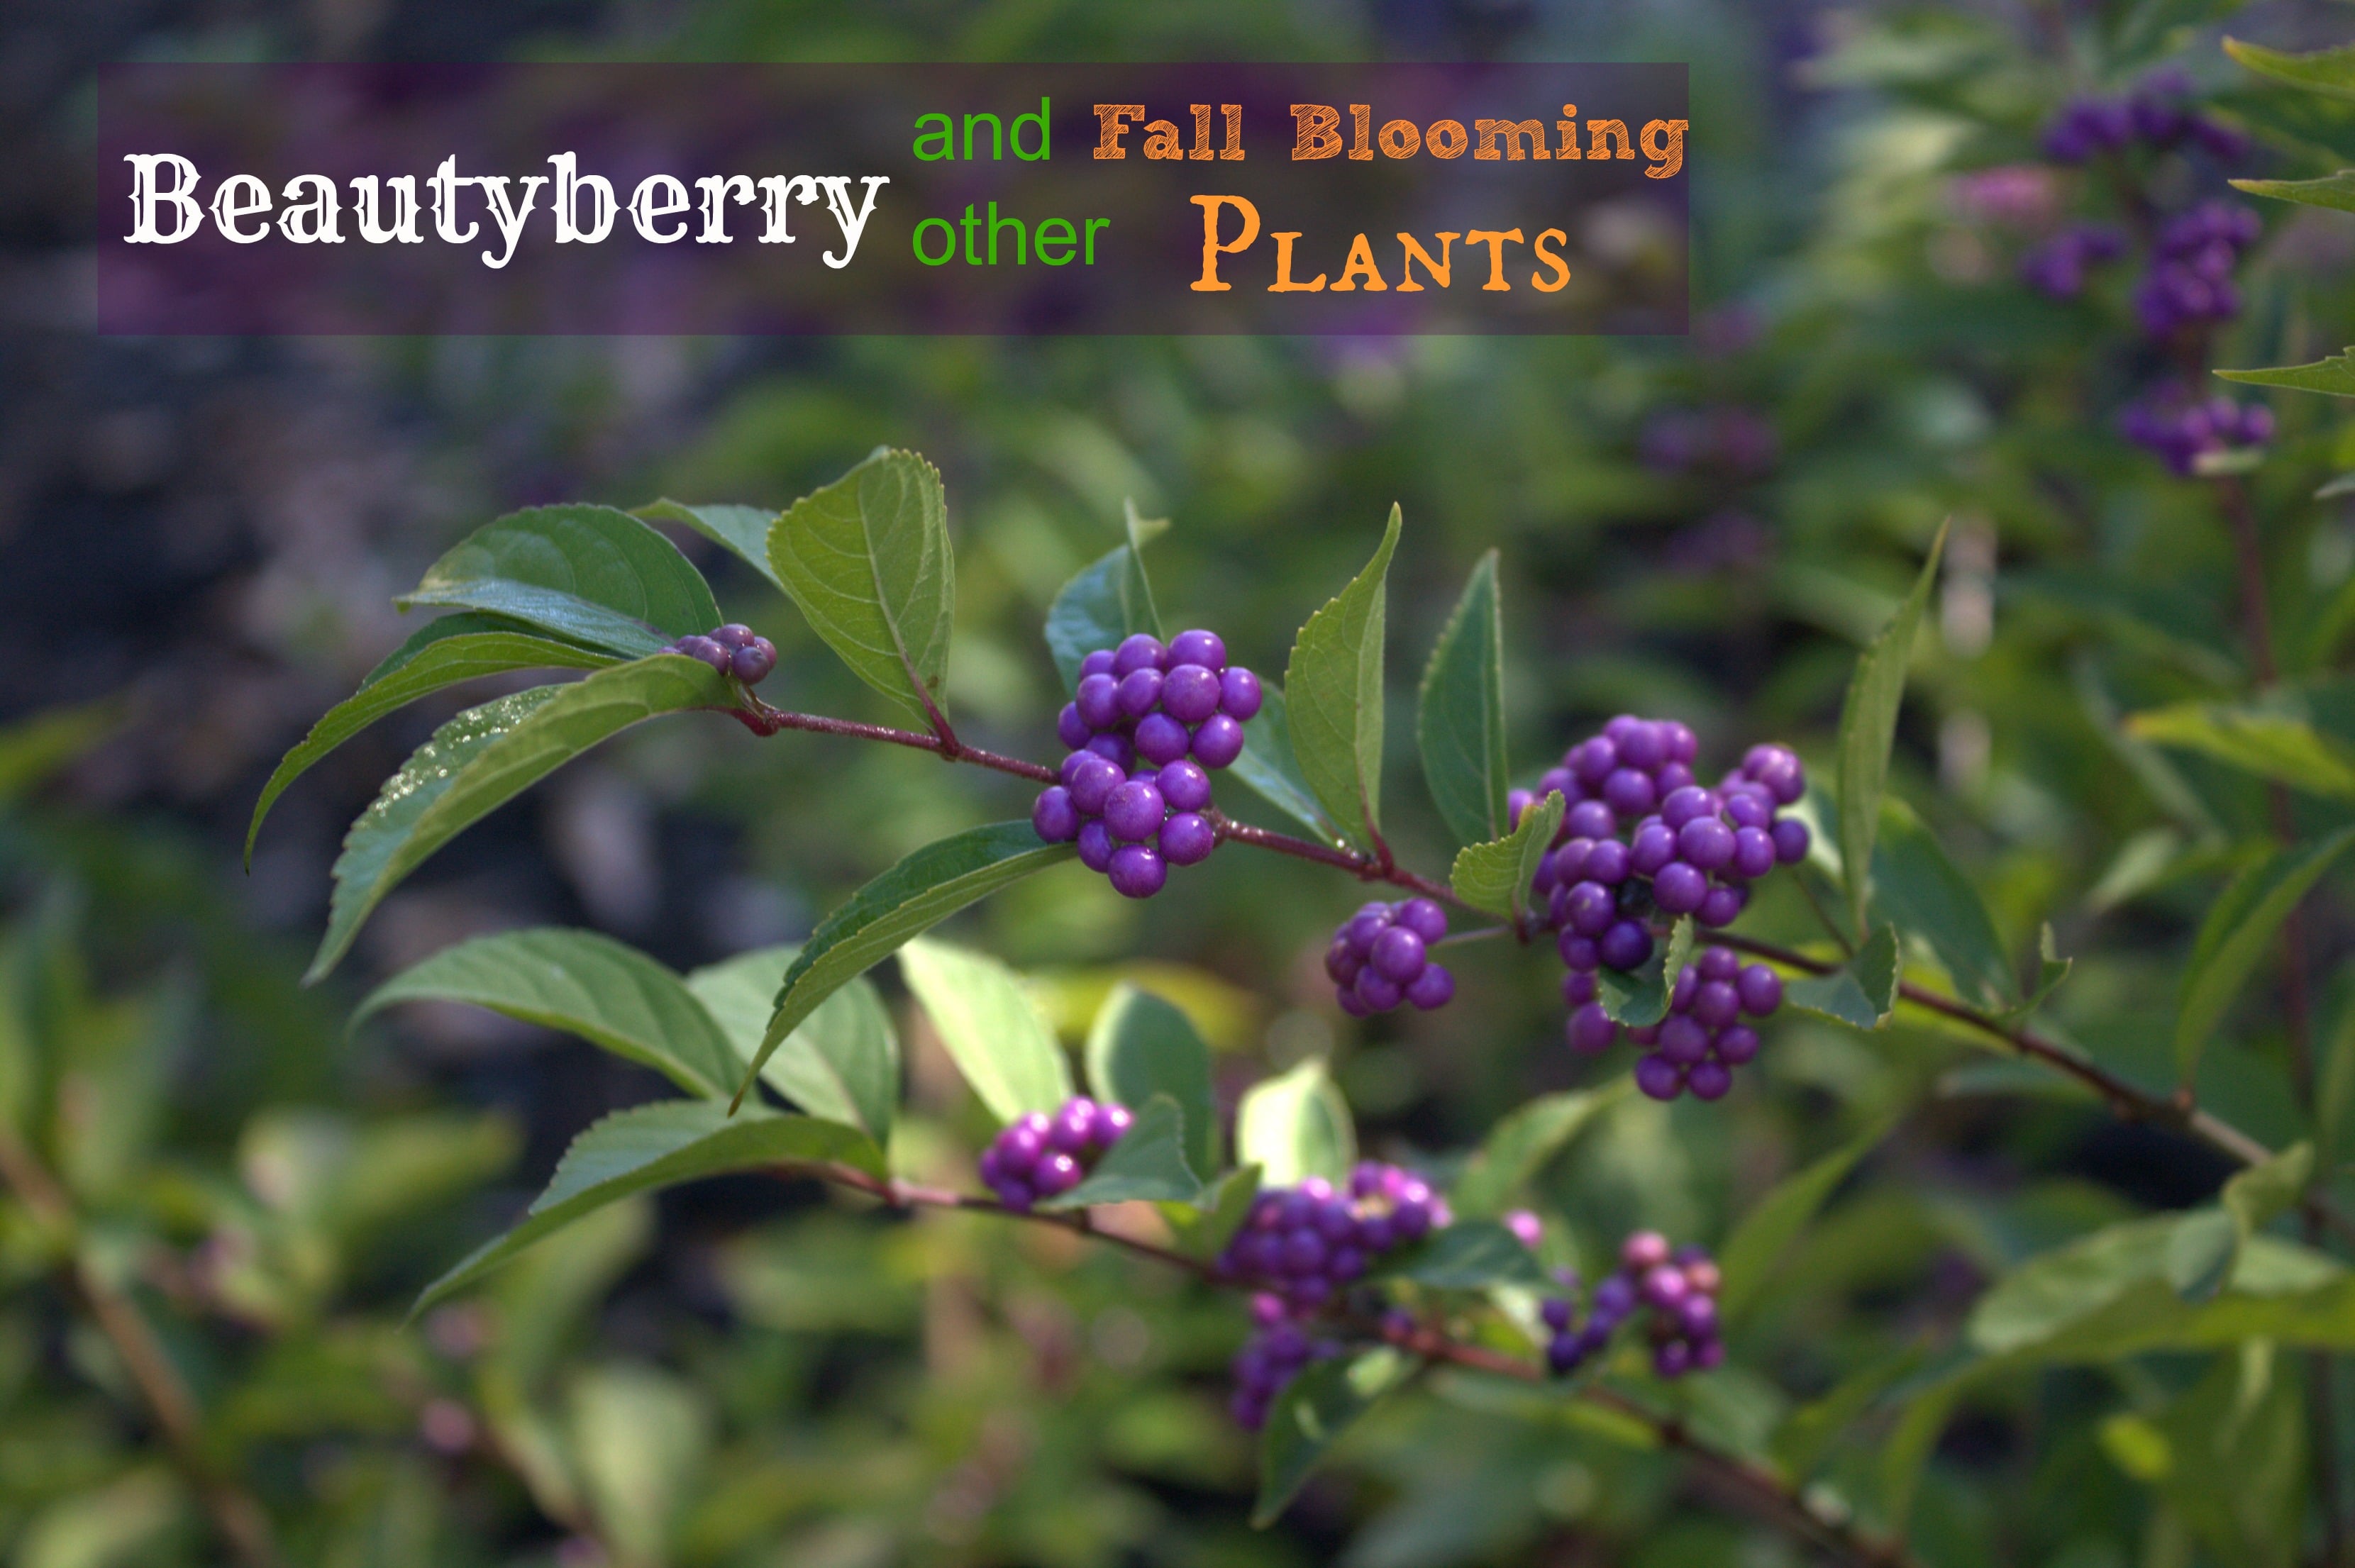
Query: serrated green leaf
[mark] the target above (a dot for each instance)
(1140, 1047)
(1268, 765)
(1459, 723)
(1334, 684)
(593, 574)
(606, 991)
(485, 756)
(1860, 993)
(2325, 71)
(2269, 743)
(1147, 1165)
(1518, 1147)
(868, 561)
(1496, 876)
(742, 531)
(1470, 1255)
(924, 889)
(1867, 727)
(993, 1031)
(1310, 1416)
(454, 649)
(1638, 998)
(1919, 890)
(2239, 929)
(661, 1145)
(2334, 191)
(1747, 1260)
(2335, 375)
(841, 1063)
(1296, 1126)
(1108, 600)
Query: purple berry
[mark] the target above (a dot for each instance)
(1714, 1004)
(1073, 1127)
(1736, 1044)
(1590, 1031)
(1198, 647)
(1434, 987)
(1220, 740)
(1095, 844)
(1134, 811)
(1425, 917)
(1761, 991)
(1791, 840)
(1754, 853)
(1239, 694)
(1071, 728)
(1188, 838)
(1057, 1172)
(1161, 739)
(1682, 1039)
(1190, 693)
(1654, 845)
(1623, 946)
(1708, 1080)
(1579, 987)
(1139, 650)
(1112, 1122)
(1592, 908)
(1114, 749)
(1658, 1077)
(1577, 952)
(1527, 1228)
(1628, 793)
(732, 636)
(1664, 1285)
(1096, 664)
(1139, 693)
(1682, 806)
(1092, 782)
(1398, 954)
(1679, 888)
(1053, 816)
(1608, 862)
(1378, 992)
(1672, 1358)
(1642, 747)
(1516, 802)
(704, 650)
(1721, 906)
(752, 663)
(1706, 842)
(1590, 819)
(1097, 701)
(1184, 786)
(1137, 870)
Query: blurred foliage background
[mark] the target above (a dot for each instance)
(199, 540)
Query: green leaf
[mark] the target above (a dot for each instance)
(1459, 722)
(1800, 1444)
(1147, 1165)
(2238, 931)
(1140, 1047)
(1869, 725)
(918, 893)
(594, 574)
(2052, 969)
(484, 758)
(1268, 765)
(2336, 1096)
(1334, 684)
(661, 1145)
(2335, 375)
(1470, 1255)
(1918, 888)
(2271, 744)
(841, 1063)
(1296, 1126)
(1310, 1416)
(1639, 997)
(993, 1031)
(1860, 993)
(2326, 70)
(454, 649)
(2334, 191)
(742, 531)
(868, 561)
(1523, 1144)
(606, 991)
(1747, 1260)
(2208, 1242)
(1106, 602)
(1205, 1225)
(1496, 876)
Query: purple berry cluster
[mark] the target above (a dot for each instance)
(2057, 267)
(1302, 1245)
(1381, 957)
(1703, 1038)
(732, 650)
(1148, 724)
(2182, 429)
(2189, 283)
(1731, 440)
(1689, 849)
(1679, 1288)
(1039, 1156)
(1270, 1358)
(2155, 114)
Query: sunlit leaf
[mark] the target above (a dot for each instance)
(1334, 684)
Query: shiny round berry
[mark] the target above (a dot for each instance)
(1577, 952)
(1721, 907)
(1161, 739)
(1188, 838)
(1092, 782)
(1716, 963)
(1139, 650)
(1114, 749)
(1590, 908)
(1749, 809)
(1219, 742)
(1398, 954)
(752, 663)
(1425, 917)
(1198, 647)
(1590, 819)
(1608, 862)
(1679, 886)
(1714, 1004)
(1071, 728)
(1134, 811)
(732, 636)
(1434, 987)
(1053, 816)
(703, 649)
(1342, 961)
(1096, 664)
(1754, 853)
(1057, 1172)
(1073, 1127)
(1706, 842)
(1590, 1030)
(1190, 693)
(1628, 793)
(1682, 806)
(1137, 870)
(1377, 991)
(1098, 701)
(1761, 990)
(1642, 747)
(1623, 946)
(1708, 1080)
(1095, 844)
(1682, 1039)
(1239, 694)
(1736, 1044)
(1658, 1077)
(1672, 1358)
(1183, 784)
(1579, 987)
(1790, 836)
(1653, 845)
(1139, 693)
(1369, 922)
(1592, 760)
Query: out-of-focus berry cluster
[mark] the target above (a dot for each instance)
(1381, 957)
(1679, 1288)
(732, 650)
(2156, 114)
(2057, 267)
(1038, 1156)
(2191, 279)
(1273, 1356)
(1145, 728)
(1730, 441)
(1703, 1038)
(2182, 429)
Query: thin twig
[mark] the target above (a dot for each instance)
(1365, 868)
(1768, 1494)
(762, 719)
